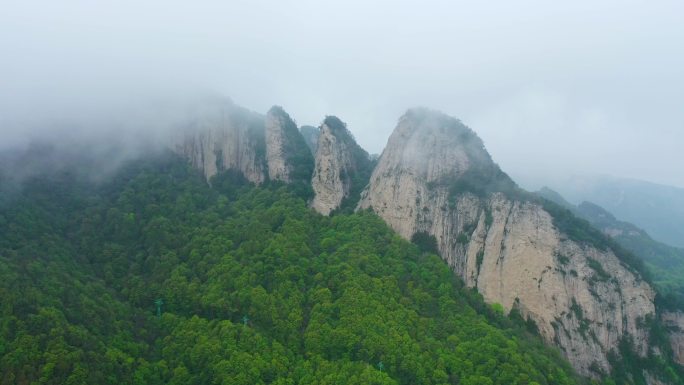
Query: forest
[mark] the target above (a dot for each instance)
(154, 276)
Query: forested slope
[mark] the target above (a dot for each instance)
(256, 289)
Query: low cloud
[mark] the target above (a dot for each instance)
(582, 87)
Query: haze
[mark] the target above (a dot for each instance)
(553, 89)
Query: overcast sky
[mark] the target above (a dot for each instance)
(552, 87)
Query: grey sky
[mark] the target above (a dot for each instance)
(581, 87)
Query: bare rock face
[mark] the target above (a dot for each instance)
(219, 135)
(278, 169)
(436, 178)
(341, 167)
(674, 321)
(287, 155)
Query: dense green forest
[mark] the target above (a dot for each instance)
(152, 276)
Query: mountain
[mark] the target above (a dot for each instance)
(342, 168)
(253, 285)
(664, 261)
(658, 209)
(435, 179)
(218, 135)
(153, 276)
(288, 158)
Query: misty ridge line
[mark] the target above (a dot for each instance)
(106, 134)
(535, 93)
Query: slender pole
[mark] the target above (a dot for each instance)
(159, 302)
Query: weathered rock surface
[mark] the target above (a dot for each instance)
(219, 135)
(278, 168)
(341, 167)
(287, 155)
(674, 321)
(436, 177)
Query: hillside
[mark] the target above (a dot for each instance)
(256, 288)
(436, 182)
(244, 256)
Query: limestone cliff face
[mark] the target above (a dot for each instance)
(287, 154)
(219, 135)
(674, 321)
(276, 139)
(341, 167)
(436, 177)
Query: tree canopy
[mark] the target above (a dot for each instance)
(255, 288)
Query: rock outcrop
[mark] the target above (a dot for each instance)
(674, 322)
(435, 177)
(288, 157)
(219, 135)
(342, 168)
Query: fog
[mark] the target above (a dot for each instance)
(587, 87)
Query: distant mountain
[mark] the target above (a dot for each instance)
(665, 261)
(658, 209)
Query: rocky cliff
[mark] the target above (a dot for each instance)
(342, 168)
(288, 157)
(436, 178)
(218, 135)
(674, 321)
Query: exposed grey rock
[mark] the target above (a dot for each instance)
(341, 166)
(287, 156)
(436, 177)
(219, 135)
(674, 321)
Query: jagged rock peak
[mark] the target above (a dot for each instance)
(342, 168)
(435, 179)
(218, 135)
(287, 155)
(434, 145)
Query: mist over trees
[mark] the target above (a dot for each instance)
(253, 286)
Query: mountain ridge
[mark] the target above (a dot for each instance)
(656, 208)
(436, 179)
(436, 184)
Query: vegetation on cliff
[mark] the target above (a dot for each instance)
(251, 288)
